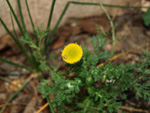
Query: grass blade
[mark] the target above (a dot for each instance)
(50, 15)
(16, 19)
(50, 104)
(56, 26)
(21, 15)
(15, 64)
(9, 81)
(14, 95)
(112, 29)
(50, 18)
(31, 52)
(33, 62)
(30, 15)
(108, 5)
(17, 42)
(23, 24)
(13, 25)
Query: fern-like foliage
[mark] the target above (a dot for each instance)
(98, 90)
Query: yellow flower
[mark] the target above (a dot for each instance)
(72, 53)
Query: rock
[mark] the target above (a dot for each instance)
(40, 11)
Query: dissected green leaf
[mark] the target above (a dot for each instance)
(146, 17)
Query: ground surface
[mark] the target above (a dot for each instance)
(130, 25)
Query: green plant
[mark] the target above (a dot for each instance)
(97, 89)
(35, 52)
(146, 17)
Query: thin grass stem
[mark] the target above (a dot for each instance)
(56, 26)
(50, 104)
(18, 43)
(21, 15)
(23, 24)
(50, 15)
(15, 64)
(108, 5)
(50, 18)
(112, 29)
(6, 80)
(16, 19)
(33, 57)
(13, 25)
(30, 15)
(14, 95)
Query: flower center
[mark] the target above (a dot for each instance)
(72, 53)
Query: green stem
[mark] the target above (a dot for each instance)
(113, 37)
(50, 104)
(14, 64)
(56, 26)
(33, 58)
(13, 25)
(23, 24)
(30, 15)
(15, 17)
(33, 28)
(20, 12)
(47, 98)
(108, 5)
(112, 29)
(14, 95)
(6, 80)
(92, 107)
(50, 18)
(50, 15)
(80, 3)
(17, 42)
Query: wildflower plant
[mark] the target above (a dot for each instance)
(92, 88)
(98, 89)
